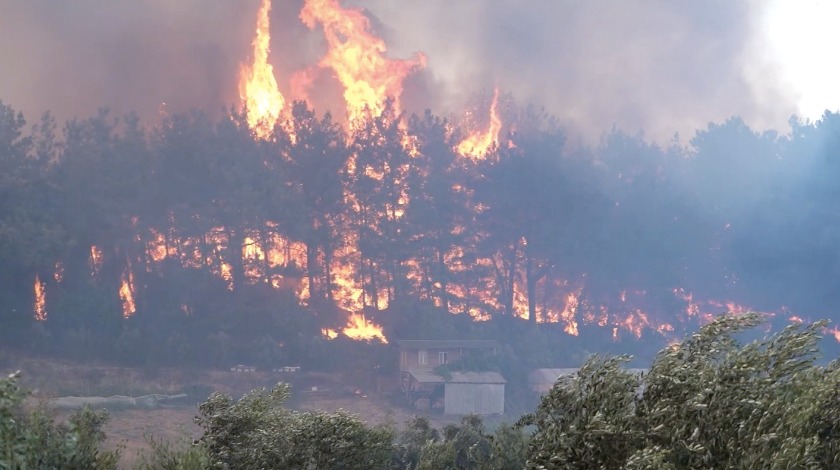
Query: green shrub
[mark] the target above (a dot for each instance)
(258, 432)
(708, 402)
(33, 440)
(182, 455)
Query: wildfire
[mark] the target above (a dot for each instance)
(477, 144)
(40, 300)
(257, 86)
(358, 327)
(127, 294)
(157, 247)
(226, 273)
(95, 260)
(358, 58)
(568, 316)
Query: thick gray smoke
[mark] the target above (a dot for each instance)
(651, 65)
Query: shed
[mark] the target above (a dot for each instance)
(462, 393)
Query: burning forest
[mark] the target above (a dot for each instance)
(321, 206)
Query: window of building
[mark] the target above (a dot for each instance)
(443, 358)
(421, 357)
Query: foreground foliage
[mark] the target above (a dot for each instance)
(258, 432)
(32, 440)
(709, 402)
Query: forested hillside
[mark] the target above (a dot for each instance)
(194, 236)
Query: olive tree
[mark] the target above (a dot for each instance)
(708, 402)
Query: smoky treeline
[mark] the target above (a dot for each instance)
(190, 241)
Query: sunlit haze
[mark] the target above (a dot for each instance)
(803, 37)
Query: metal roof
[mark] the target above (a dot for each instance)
(429, 376)
(448, 343)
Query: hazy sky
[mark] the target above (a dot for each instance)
(660, 66)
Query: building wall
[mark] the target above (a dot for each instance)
(467, 398)
(409, 358)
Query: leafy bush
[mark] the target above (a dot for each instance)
(708, 402)
(33, 440)
(468, 446)
(258, 432)
(168, 456)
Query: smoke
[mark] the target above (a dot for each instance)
(642, 65)
(653, 66)
(128, 55)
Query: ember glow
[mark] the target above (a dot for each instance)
(127, 294)
(357, 57)
(58, 273)
(40, 307)
(479, 143)
(258, 88)
(95, 260)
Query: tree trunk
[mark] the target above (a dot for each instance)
(235, 242)
(530, 280)
(311, 268)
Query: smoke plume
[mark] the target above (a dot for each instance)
(653, 66)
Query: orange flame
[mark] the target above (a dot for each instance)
(568, 315)
(127, 293)
(358, 58)
(226, 273)
(477, 144)
(257, 86)
(358, 327)
(95, 260)
(40, 300)
(157, 247)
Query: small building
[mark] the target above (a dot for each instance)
(460, 393)
(425, 354)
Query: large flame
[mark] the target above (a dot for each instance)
(358, 58)
(477, 144)
(359, 327)
(257, 86)
(40, 300)
(127, 293)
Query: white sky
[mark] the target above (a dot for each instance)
(804, 39)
